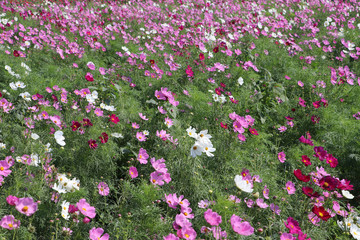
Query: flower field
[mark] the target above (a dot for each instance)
(180, 119)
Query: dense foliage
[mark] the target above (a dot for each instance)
(183, 119)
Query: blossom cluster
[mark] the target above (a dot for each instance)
(202, 144)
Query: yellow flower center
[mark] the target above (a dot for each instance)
(288, 188)
(140, 156)
(153, 180)
(201, 135)
(326, 184)
(321, 214)
(185, 213)
(64, 208)
(187, 235)
(10, 225)
(84, 209)
(24, 209)
(2, 168)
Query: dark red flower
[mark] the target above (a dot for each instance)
(329, 183)
(114, 118)
(216, 49)
(75, 125)
(92, 144)
(201, 56)
(16, 53)
(89, 77)
(223, 85)
(152, 62)
(308, 191)
(87, 122)
(321, 213)
(306, 160)
(104, 138)
(298, 174)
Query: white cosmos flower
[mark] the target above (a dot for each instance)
(59, 188)
(208, 149)
(65, 210)
(222, 98)
(204, 137)
(117, 135)
(241, 81)
(59, 138)
(26, 96)
(2, 146)
(347, 194)
(191, 132)
(34, 160)
(196, 149)
(20, 84)
(35, 136)
(13, 86)
(146, 132)
(243, 185)
(355, 231)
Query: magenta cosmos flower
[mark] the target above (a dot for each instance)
(12, 200)
(142, 156)
(212, 218)
(281, 157)
(85, 208)
(95, 234)
(103, 189)
(133, 172)
(26, 206)
(9, 222)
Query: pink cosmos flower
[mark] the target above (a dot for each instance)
(135, 125)
(182, 221)
(187, 233)
(300, 83)
(102, 71)
(95, 234)
(91, 65)
(143, 117)
(133, 172)
(275, 209)
(260, 202)
(171, 237)
(302, 102)
(162, 110)
(142, 156)
(168, 122)
(290, 187)
(287, 236)
(4, 168)
(242, 228)
(213, 218)
(141, 136)
(85, 208)
(56, 120)
(9, 222)
(281, 157)
(12, 200)
(103, 189)
(99, 112)
(282, 129)
(26, 206)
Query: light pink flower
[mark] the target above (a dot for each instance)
(290, 187)
(9, 222)
(281, 157)
(85, 208)
(242, 228)
(26, 206)
(95, 234)
(213, 218)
